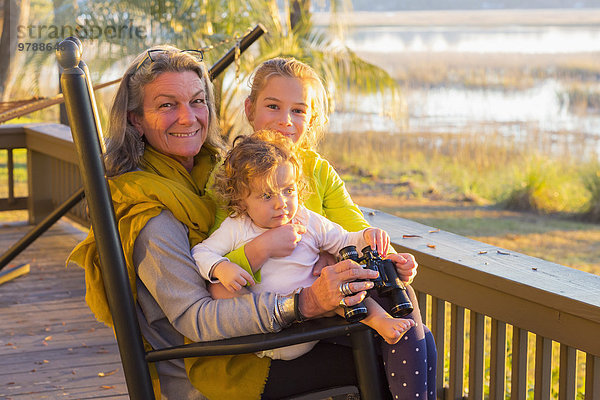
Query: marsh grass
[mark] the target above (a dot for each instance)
(591, 181)
(534, 173)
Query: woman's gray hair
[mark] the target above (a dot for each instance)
(123, 146)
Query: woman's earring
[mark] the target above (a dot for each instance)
(140, 145)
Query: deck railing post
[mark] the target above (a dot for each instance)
(476, 352)
(543, 368)
(498, 360)
(592, 377)
(518, 381)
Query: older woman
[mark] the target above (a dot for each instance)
(162, 145)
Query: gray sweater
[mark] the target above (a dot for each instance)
(173, 302)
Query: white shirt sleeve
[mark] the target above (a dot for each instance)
(331, 237)
(210, 252)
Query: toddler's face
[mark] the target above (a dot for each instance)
(270, 210)
(283, 105)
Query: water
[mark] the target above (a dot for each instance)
(541, 108)
(493, 40)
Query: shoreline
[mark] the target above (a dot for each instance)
(579, 17)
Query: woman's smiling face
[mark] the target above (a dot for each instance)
(175, 115)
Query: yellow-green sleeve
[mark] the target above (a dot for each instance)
(328, 194)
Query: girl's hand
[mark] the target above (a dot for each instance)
(232, 276)
(406, 266)
(324, 260)
(378, 239)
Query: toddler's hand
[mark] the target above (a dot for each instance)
(281, 241)
(324, 260)
(378, 239)
(232, 276)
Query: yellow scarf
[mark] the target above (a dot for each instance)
(138, 196)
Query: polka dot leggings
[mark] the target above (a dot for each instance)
(410, 364)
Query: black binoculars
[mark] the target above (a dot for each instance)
(387, 284)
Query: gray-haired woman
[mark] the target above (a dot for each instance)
(162, 144)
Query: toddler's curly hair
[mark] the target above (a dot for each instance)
(254, 160)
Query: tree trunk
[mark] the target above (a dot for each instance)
(299, 9)
(16, 12)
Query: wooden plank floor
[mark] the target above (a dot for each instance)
(51, 347)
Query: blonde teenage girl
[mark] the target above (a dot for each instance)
(288, 96)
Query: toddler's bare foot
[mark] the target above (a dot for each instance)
(392, 329)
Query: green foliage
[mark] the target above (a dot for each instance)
(214, 25)
(533, 191)
(591, 181)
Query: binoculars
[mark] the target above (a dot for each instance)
(387, 284)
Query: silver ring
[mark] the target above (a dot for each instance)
(343, 302)
(345, 289)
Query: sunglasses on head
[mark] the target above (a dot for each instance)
(154, 54)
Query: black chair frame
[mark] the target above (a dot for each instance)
(86, 133)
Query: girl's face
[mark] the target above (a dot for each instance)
(284, 105)
(175, 115)
(273, 209)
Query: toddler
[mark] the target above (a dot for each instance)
(260, 182)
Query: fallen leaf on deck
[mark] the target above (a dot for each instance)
(48, 338)
(411, 236)
(482, 252)
(434, 231)
(107, 373)
(503, 253)
(107, 387)
(431, 246)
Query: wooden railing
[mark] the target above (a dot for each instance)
(52, 170)
(483, 303)
(514, 293)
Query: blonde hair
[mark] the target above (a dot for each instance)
(252, 159)
(123, 146)
(292, 68)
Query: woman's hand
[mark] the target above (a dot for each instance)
(406, 266)
(378, 239)
(324, 294)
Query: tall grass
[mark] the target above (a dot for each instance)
(538, 173)
(591, 181)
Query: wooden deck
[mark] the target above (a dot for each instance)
(51, 347)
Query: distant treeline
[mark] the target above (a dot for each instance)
(399, 5)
